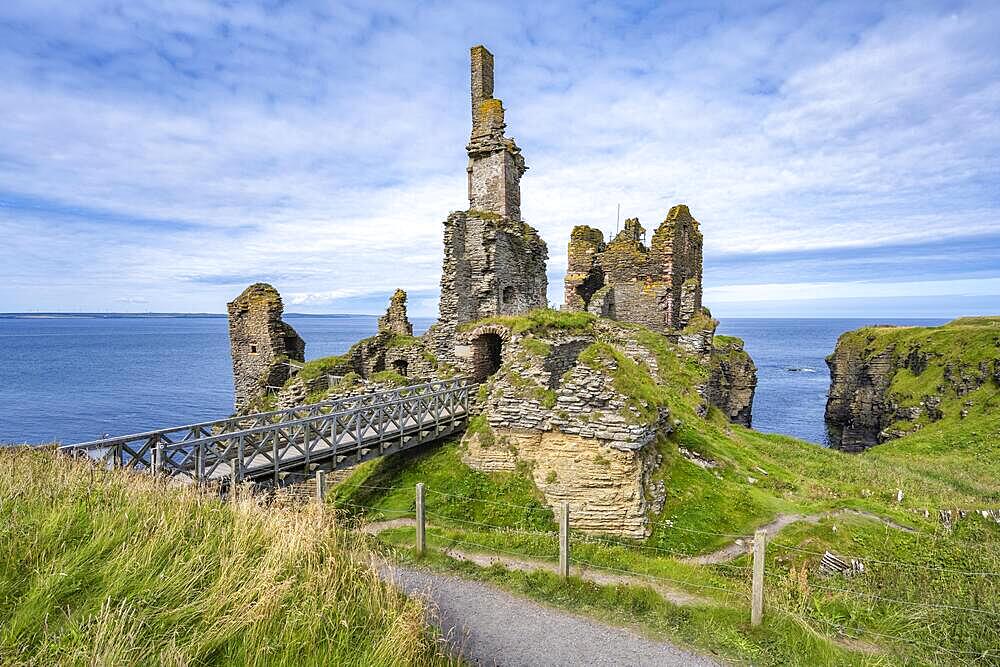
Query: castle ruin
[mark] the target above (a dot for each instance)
(494, 262)
(260, 342)
(658, 287)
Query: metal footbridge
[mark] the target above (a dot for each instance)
(264, 447)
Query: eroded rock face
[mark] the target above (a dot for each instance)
(857, 408)
(659, 286)
(260, 343)
(733, 381)
(886, 382)
(554, 407)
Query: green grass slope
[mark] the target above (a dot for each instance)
(109, 568)
(928, 595)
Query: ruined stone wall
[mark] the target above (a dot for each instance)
(494, 263)
(495, 162)
(658, 287)
(584, 276)
(395, 321)
(677, 247)
(492, 266)
(260, 342)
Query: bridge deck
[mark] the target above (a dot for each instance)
(265, 445)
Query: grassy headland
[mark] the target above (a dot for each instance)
(929, 593)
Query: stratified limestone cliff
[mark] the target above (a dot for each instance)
(733, 380)
(583, 404)
(886, 382)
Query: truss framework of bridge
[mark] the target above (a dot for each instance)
(265, 446)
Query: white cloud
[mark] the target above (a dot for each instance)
(320, 147)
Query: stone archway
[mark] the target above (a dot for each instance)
(400, 366)
(486, 350)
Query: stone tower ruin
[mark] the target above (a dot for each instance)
(658, 287)
(260, 343)
(494, 262)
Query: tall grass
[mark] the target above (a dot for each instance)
(106, 567)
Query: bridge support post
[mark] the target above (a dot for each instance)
(159, 458)
(199, 465)
(757, 593)
(274, 455)
(320, 486)
(564, 540)
(421, 537)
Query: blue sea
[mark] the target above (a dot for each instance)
(73, 379)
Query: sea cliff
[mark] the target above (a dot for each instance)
(886, 382)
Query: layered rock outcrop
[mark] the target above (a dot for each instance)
(583, 407)
(732, 380)
(886, 382)
(261, 343)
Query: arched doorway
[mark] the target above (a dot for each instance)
(400, 366)
(487, 355)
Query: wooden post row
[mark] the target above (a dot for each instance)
(421, 542)
(757, 594)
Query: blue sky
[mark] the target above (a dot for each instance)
(843, 158)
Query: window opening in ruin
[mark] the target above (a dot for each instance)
(587, 289)
(400, 366)
(508, 293)
(253, 349)
(487, 355)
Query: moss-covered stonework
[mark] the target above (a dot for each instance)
(657, 286)
(261, 344)
(583, 402)
(886, 382)
(395, 321)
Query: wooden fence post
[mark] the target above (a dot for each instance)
(320, 486)
(421, 541)
(757, 594)
(159, 458)
(564, 540)
(232, 484)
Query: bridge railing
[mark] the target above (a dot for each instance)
(360, 432)
(139, 450)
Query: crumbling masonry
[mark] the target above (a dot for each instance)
(658, 287)
(494, 262)
(261, 343)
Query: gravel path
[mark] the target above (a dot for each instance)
(745, 545)
(492, 627)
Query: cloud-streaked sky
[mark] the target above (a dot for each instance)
(842, 158)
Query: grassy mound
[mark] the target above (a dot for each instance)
(110, 568)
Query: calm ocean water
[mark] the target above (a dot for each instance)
(75, 379)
